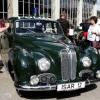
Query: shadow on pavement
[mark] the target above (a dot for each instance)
(58, 95)
(1, 71)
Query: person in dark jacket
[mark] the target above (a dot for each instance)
(66, 26)
(64, 23)
(85, 26)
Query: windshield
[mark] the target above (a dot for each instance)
(36, 27)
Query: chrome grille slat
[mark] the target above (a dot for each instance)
(68, 64)
(65, 73)
(73, 65)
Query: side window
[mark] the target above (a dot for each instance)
(51, 27)
(54, 27)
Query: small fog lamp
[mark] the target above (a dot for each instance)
(34, 80)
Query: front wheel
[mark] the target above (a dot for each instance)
(20, 93)
(10, 70)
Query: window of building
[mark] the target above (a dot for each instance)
(87, 8)
(35, 8)
(3, 9)
(69, 7)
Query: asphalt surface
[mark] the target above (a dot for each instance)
(8, 92)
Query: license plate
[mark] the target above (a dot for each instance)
(70, 86)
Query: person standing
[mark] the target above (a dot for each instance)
(64, 23)
(85, 26)
(4, 25)
(94, 32)
(66, 26)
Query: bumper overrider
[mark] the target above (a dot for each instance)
(50, 87)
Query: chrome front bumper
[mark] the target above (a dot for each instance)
(48, 87)
(36, 88)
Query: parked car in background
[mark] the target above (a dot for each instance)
(41, 58)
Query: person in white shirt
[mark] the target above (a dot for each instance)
(94, 30)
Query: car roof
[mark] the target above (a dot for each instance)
(31, 18)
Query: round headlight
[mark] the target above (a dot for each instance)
(86, 61)
(44, 64)
(34, 80)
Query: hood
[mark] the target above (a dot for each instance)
(50, 42)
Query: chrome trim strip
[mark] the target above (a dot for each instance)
(49, 88)
(36, 88)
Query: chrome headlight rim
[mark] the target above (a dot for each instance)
(86, 61)
(44, 64)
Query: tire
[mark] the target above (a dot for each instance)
(10, 70)
(1, 63)
(20, 93)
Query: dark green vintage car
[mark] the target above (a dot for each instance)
(41, 58)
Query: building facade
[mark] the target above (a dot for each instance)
(76, 10)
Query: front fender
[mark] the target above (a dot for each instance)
(25, 66)
(22, 66)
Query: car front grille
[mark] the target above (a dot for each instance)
(68, 64)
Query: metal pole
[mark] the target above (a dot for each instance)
(3, 7)
(67, 9)
(64, 5)
(23, 7)
(34, 8)
(29, 7)
(39, 7)
(47, 8)
(43, 7)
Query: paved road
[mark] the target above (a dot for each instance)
(8, 92)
